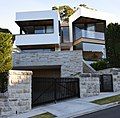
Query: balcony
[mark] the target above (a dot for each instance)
(89, 35)
(36, 39)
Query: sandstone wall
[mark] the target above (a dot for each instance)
(115, 75)
(70, 61)
(18, 97)
(89, 84)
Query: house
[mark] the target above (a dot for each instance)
(55, 51)
(46, 43)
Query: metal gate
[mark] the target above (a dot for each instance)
(53, 89)
(106, 83)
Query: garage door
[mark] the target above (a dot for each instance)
(44, 71)
(53, 72)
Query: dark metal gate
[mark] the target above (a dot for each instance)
(106, 83)
(53, 89)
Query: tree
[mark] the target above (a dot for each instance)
(85, 6)
(5, 59)
(112, 43)
(5, 52)
(5, 30)
(65, 12)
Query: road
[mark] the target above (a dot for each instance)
(113, 112)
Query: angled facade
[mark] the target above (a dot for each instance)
(87, 32)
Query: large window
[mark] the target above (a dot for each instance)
(37, 27)
(65, 34)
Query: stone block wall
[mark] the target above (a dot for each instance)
(18, 97)
(70, 61)
(89, 84)
(115, 75)
(116, 82)
(5, 109)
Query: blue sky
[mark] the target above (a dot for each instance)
(8, 8)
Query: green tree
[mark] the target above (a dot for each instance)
(65, 12)
(5, 52)
(5, 30)
(112, 43)
(5, 59)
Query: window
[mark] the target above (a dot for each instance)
(91, 27)
(39, 29)
(49, 29)
(65, 34)
(37, 26)
(28, 30)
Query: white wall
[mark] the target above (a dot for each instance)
(36, 39)
(37, 15)
(52, 38)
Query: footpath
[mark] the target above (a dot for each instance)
(71, 108)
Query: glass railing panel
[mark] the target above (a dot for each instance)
(88, 34)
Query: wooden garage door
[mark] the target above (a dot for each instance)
(46, 72)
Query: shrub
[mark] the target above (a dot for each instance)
(100, 65)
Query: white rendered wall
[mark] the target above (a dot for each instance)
(36, 39)
(33, 39)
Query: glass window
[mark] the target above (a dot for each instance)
(49, 29)
(77, 33)
(91, 27)
(65, 31)
(39, 29)
(29, 30)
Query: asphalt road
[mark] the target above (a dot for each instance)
(113, 112)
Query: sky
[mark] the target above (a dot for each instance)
(8, 8)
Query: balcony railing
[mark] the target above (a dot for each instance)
(89, 34)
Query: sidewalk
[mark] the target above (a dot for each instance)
(69, 108)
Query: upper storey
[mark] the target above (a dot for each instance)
(88, 25)
(37, 28)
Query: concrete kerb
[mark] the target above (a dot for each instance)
(92, 110)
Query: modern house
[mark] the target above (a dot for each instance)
(55, 52)
(45, 41)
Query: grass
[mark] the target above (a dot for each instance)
(44, 115)
(107, 100)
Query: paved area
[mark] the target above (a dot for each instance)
(68, 108)
(113, 112)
